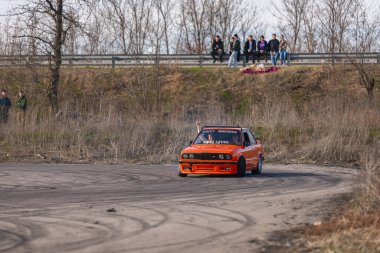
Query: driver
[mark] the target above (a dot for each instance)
(210, 138)
(207, 138)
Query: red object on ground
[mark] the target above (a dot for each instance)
(264, 71)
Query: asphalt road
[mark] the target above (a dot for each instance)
(63, 208)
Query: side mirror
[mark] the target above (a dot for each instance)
(191, 142)
(246, 143)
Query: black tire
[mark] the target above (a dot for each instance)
(181, 174)
(241, 167)
(259, 168)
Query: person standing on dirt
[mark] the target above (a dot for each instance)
(21, 106)
(274, 48)
(217, 49)
(5, 105)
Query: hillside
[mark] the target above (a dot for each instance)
(302, 114)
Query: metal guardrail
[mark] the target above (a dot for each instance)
(177, 59)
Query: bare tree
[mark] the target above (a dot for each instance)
(165, 8)
(365, 32)
(249, 21)
(193, 19)
(117, 13)
(157, 33)
(95, 35)
(233, 18)
(367, 73)
(291, 13)
(141, 11)
(310, 27)
(52, 21)
(335, 17)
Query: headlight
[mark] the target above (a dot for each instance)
(227, 157)
(191, 156)
(221, 157)
(185, 156)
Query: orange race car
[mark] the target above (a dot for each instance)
(222, 150)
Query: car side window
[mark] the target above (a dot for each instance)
(252, 138)
(246, 139)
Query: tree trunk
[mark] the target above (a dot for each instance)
(370, 86)
(53, 91)
(57, 61)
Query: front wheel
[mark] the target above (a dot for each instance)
(181, 174)
(259, 168)
(241, 168)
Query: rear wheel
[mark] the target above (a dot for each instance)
(241, 168)
(259, 168)
(181, 174)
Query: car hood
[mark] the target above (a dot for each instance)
(210, 148)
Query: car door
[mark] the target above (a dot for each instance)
(255, 148)
(248, 152)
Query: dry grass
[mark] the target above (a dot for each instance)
(301, 114)
(357, 229)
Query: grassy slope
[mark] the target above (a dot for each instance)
(309, 114)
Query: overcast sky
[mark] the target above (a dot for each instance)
(5, 4)
(263, 5)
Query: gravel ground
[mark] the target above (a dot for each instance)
(148, 208)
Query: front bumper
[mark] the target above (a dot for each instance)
(208, 167)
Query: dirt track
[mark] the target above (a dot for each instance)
(62, 208)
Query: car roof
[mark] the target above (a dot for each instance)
(223, 127)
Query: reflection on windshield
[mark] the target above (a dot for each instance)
(229, 137)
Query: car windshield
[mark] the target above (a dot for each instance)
(229, 137)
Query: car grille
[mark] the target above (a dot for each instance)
(206, 156)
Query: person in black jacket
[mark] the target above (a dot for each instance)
(217, 48)
(262, 48)
(5, 105)
(274, 48)
(238, 40)
(250, 49)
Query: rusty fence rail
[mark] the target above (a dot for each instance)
(178, 59)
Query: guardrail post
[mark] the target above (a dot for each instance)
(244, 59)
(200, 60)
(378, 59)
(113, 61)
(332, 60)
(287, 59)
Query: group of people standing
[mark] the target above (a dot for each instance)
(252, 50)
(6, 104)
